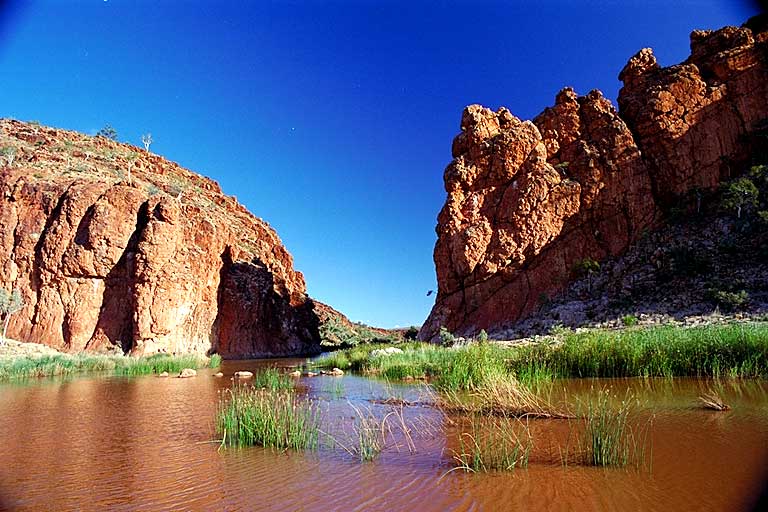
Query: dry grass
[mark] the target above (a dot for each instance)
(502, 395)
(712, 400)
(374, 432)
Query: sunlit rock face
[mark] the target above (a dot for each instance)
(111, 246)
(528, 200)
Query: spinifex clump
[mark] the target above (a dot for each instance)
(493, 443)
(272, 378)
(608, 438)
(269, 418)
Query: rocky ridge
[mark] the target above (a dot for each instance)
(110, 245)
(529, 201)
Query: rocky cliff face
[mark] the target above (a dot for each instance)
(112, 246)
(528, 201)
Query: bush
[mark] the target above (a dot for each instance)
(728, 300)
(411, 333)
(739, 195)
(629, 320)
(586, 268)
(446, 338)
(8, 153)
(107, 132)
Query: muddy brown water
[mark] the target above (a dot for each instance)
(116, 443)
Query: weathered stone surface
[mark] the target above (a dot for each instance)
(111, 245)
(527, 201)
(691, 120)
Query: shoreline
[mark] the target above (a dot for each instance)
(21, 360)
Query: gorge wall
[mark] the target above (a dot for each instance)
(112, 246)
(529, 200)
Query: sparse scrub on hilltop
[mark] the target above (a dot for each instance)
(107, 132)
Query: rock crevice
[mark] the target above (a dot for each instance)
(107, 260)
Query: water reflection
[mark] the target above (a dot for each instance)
(144, 443)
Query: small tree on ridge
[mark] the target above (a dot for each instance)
(10, 303)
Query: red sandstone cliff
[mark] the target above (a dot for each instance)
(527, 201)
(111, 245)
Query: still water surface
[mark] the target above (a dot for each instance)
(116, 443)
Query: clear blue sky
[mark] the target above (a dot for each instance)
(333, 121)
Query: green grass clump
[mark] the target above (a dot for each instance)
(269, 418)
(65, 364)
(470, 367)
(493, 443)
(370, 432)
(157, 363)
(629, 320)
(272, 378)
(215, 361)
(607, 438)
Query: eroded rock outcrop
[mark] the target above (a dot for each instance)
(528, 200)
(111, 245)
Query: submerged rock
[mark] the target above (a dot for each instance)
(243, 374)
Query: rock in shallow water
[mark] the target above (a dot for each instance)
(187, 372)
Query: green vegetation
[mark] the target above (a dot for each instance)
(586, 268)
(8, 153)
(608, 438)
(629, 320)
(272, 378)
(10, 303)
(411, 333)
(107, 132)
(214, 361)
(370, 439)
(737, 350)
(335, 333)
(493, 443)
(728, 300)
(446, 338)
(740, 194)
(64, 364)
(269, 418)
